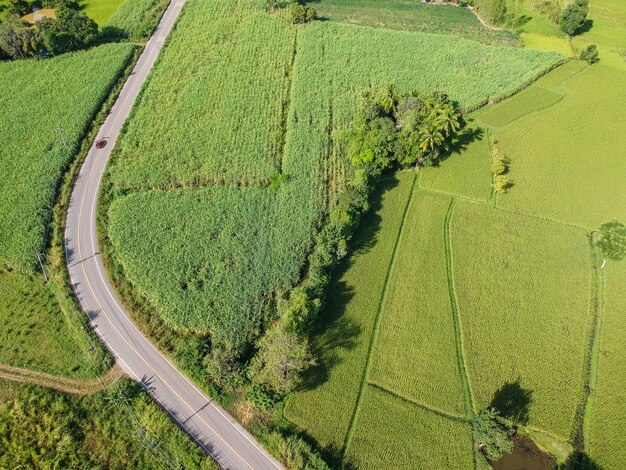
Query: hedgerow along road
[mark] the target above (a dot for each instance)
(211, 427)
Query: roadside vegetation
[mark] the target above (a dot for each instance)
(118, 428)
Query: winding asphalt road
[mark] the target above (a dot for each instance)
(211, 427)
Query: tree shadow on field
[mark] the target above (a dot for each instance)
(332, 331)
(586, 27)
(513, 402)
(579, 461)
(461, 141)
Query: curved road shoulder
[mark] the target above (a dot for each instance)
(211, 427)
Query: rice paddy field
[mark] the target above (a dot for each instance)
(582, 157)
(523, 295)
(418, 312)
(449, 442)
(607, 415)
(45, 119)
(516, 273)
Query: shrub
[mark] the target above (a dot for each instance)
(282, 357)
(302, 13)
(501, 184)
(261, 397)
(590, 54)
(221, 366)
(296, 454)
(492, 434)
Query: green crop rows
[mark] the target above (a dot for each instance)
(523, 295)
(418, 313)
(42, 122)
(608, 409)
(133, 19)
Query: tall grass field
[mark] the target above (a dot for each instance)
(42, 123)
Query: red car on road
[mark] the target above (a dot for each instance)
(100, 143)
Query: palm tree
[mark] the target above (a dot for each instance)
(447, 119)
(388, 99)
(430, 137)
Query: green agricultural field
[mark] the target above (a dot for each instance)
(134, 19)
(41, 428)
(413, 15)
(35, 333)
(101, 10)
(341, 336)
(417, 316)
(241, 143)
(523, 289)
(45, 119)
(607, 411)
(234, 83)
(466, 171)
(202, 240)
(527, 101)
(582, 157)
(391, 433)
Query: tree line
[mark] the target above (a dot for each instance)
(70, 30)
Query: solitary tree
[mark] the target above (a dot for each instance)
(492, 434)
(574, 16)
(281, 359)
(612, 241)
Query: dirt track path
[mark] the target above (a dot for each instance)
(62, 384)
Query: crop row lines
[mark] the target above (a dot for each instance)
(456, 318)
(374, 335)
(424, 406)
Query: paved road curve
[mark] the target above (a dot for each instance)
(212, 428)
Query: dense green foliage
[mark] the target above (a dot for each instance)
(301, 13)
(574, 16)
(71, 30)
(492, 434)
(413, 15)
(134, 19)
(405, 130)
(612, 240)
(44, 121)
(590, 54)
(116, 429)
